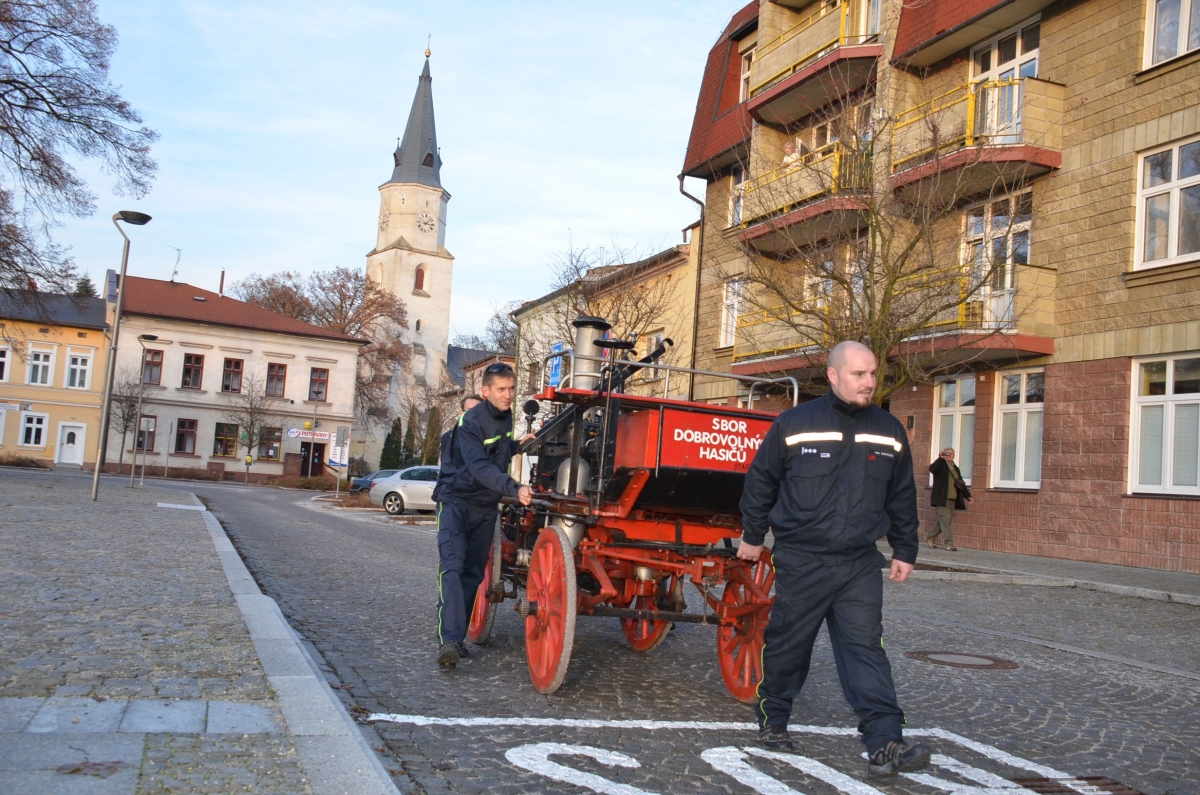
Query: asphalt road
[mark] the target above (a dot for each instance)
(1104, 686)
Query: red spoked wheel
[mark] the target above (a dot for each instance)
(552, 600)
(479, 629)
(645, 634)
(739, 646)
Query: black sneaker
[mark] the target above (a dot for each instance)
(448, 655)
(462, 650)
(775, 738)
(898, 757)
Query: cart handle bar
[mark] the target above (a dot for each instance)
(669, 369)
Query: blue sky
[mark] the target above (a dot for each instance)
(557, 122)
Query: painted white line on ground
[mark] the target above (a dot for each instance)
(983, 749)
(589, 723)
(536, 759)
(821, 772)
(200, 508)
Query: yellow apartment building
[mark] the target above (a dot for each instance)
(53, 352)
(1054, 151)
(649, 301)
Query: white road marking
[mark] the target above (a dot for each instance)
(973, 773)
(536, 759)
(589, 723)
(992, 784)
(732, 762)
(200, 508)
(812, 767)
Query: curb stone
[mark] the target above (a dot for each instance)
(986, 574)
(332, 749)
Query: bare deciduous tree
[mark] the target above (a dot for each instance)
(347, 302)
(56, 101)
(253, 412)
(124, 407)
(499, 335)
(835, 248)
(634, 295)
(284, 292)
(430, 411)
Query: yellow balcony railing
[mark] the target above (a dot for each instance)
(831, 25)
(832, 169)
(780, 330)
(789, 329)
(1006, 112)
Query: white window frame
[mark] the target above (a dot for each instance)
(732, 298)
(747, 64)
(45, 428)
(958, 412)
(1018, 64)
(997, 297)
(1023, 411)
(1170, 404)
(86, 359)
(50, 365)
(1173, 187)
(1182, 33)
(737, 195)
(7, 359)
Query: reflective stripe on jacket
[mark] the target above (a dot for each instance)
(476, 469)
(830, 478)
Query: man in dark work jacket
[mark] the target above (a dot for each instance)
(832, 477)
(445, 465)
(480, 449)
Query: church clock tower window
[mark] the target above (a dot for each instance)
(419, 280)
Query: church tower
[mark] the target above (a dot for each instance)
(410, 257)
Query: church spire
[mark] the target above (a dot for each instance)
(416, 156)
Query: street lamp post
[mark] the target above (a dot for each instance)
(137, 426)
(137, 219)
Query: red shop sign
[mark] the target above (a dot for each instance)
(710, 441)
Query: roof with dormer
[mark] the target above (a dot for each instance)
(416, 157)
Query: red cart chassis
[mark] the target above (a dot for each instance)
(635, 496)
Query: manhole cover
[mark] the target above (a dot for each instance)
(955, 659)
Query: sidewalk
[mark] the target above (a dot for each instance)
(138, 656)
(1168, 586)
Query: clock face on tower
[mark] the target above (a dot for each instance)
(383, 221)
(425, 222)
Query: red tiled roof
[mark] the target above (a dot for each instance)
(923, 23)
(721, 123)
(177, 301)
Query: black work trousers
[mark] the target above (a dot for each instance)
(464, 537)
(847, 594)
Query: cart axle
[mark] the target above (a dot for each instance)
(653, 615)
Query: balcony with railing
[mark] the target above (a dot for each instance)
(827, 55)
(991, 324)
(980, 135)
(792, 206)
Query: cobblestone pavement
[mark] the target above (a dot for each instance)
(363, 590)
(121, 645)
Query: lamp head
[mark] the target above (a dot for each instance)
(132, 217)
(148, 337)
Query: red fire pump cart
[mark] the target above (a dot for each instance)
(635, 496)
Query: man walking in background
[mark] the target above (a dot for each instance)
(950, 494)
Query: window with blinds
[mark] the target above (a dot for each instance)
(1166, 426)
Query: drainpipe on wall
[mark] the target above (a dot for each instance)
(696, 299)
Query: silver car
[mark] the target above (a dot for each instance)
(408, 488)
